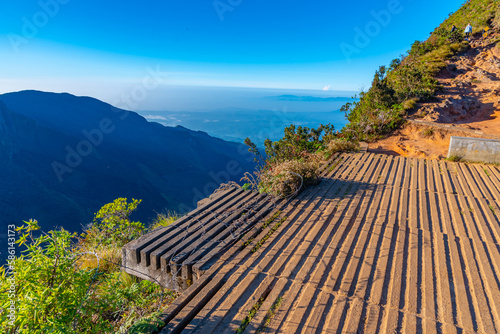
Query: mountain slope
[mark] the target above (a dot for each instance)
(467, 104)
(426, 75)
(63, 157)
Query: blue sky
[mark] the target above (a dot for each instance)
(100, 48)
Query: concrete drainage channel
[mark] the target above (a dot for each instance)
(383, 244)
(177, 256)
(474, 149)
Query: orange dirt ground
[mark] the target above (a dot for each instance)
(468, 106)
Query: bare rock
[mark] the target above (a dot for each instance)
(454, 109)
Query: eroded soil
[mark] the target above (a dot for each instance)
(468, 105)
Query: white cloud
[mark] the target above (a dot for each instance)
(327, 87)
(156, 118)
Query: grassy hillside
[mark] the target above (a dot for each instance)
(479, 13)
(411, 78)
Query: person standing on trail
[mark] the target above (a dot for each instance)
(453, 29)
(468, 31)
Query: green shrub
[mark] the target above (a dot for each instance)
(454, 158)
(49, 289)
(164, 219)
(409, 104)
(112, 224)
(60, 290)
(449, 36)
(297, 142)
(293, 162)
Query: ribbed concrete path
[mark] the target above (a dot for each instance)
(383, 244)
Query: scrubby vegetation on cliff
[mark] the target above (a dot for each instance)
(292, 163)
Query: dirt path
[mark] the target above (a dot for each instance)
(469, 100)
(453, 127)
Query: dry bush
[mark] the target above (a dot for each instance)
(339, 145)
(427, 133)
(106, 258)
(409, 104)
(287, 178)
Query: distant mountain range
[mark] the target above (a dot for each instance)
(62, 157)
(288, 97)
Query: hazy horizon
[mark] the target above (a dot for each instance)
(236, 113)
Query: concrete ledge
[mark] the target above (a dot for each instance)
(177, 255)
(475, 149)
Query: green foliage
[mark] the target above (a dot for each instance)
(249, 317)
(447, 35)
(252, 147)
(60, 290)
(338, 145)
(293, 161)
(49, 291)
(368, 119)
(492, 208)
(112, 225)
(270, 314)
(164, 220)
(271, 219)
(298, 142)
(381, 109)
(268, 234)
(479, 13)
(454, 158)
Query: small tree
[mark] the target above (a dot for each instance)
(112, 224)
